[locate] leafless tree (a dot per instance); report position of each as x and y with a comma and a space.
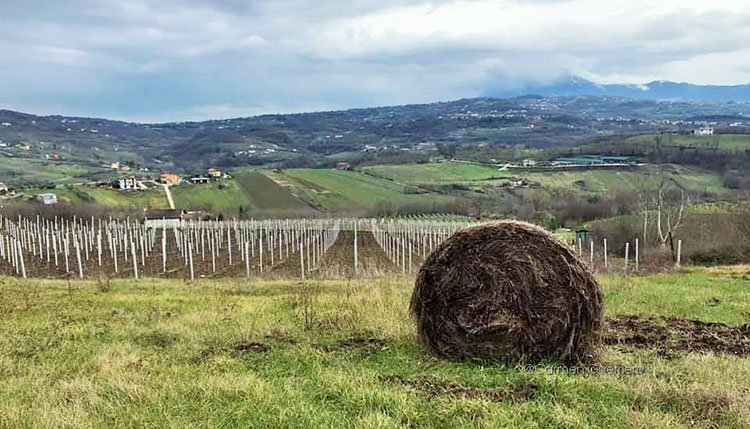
670, 206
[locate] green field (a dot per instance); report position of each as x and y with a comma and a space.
718, 141
435, 172
337, 353
28, 170
152, 198
348, 190
610, 181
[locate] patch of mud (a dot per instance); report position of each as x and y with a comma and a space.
671, 335
434, 389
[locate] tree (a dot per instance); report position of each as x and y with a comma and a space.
447, 149
670, 204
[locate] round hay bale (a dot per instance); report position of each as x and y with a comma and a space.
508, 291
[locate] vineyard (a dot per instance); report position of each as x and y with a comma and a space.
290, 248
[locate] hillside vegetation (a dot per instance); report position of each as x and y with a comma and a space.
724, 142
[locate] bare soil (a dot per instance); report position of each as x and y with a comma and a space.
671, 335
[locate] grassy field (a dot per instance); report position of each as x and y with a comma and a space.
347, 190
22, 170
719, 141
609, 181
153, 198
338, 353
435, 173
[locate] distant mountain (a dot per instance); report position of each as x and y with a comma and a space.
657, 90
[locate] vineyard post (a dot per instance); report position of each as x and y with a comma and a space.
260, 254
135, 260
636, 254
606, 261
247, 259
20, 258
78, 256
301, 261
114, 253
356, 261
190, 251
627, 255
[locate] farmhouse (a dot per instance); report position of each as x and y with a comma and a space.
47, 198
168, 218
198, 180
129, 184
704, 131
343, 165
212, 172
169, 178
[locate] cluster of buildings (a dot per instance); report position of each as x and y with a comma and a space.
131, 183
580, 161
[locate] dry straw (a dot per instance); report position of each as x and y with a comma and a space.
508, 291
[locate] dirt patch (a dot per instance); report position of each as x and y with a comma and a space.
671, 335
251, 347
434, 389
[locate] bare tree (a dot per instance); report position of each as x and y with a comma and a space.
670, 205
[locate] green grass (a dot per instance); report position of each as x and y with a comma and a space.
279, 354
347, 190
435, 172
218, 196
152, 198
720, 141
610, 181
30, 170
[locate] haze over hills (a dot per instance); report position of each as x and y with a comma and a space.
657, 90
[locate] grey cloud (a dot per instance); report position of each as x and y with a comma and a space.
171, 60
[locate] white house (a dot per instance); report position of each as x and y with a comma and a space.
704, 131
129, 184
47, 198
197, 180
529, 163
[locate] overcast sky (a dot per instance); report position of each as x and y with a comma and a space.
164, 60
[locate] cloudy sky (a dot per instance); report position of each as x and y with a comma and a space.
164, 60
